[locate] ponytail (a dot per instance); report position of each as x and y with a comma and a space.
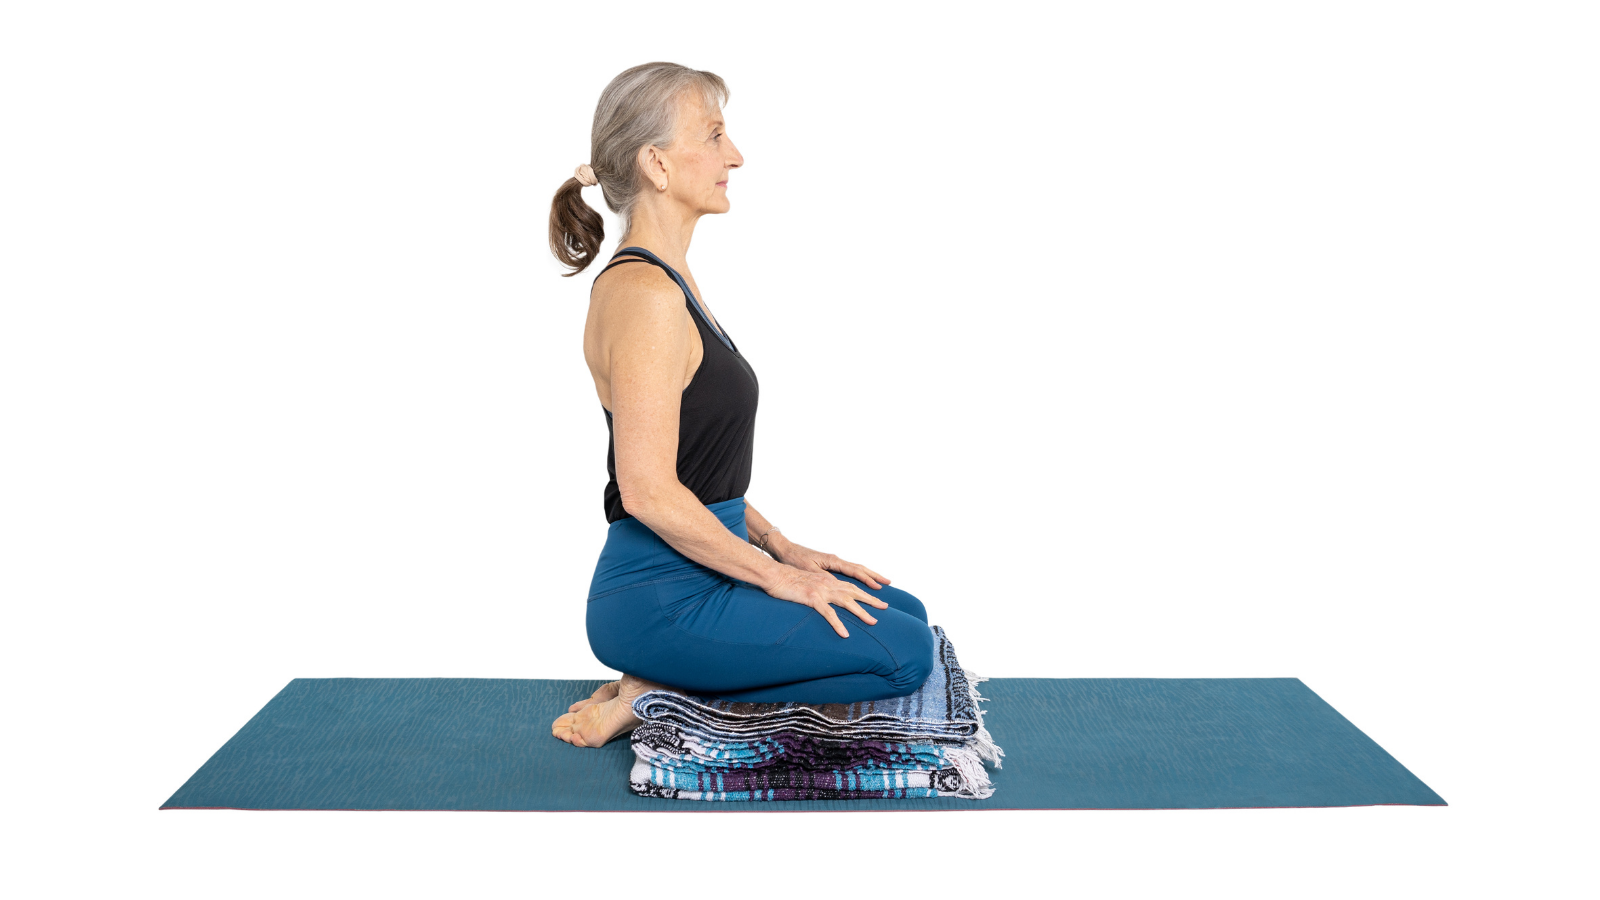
576, 230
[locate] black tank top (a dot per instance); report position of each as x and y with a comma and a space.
717, 416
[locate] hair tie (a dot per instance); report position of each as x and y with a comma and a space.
585, 175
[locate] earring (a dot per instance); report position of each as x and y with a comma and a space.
661, 187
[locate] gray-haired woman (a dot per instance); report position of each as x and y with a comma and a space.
682, 594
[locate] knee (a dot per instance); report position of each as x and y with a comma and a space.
895, 597
904, 602
915, 662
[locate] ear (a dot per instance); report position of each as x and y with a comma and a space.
653, 162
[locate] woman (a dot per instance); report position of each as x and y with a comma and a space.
683, 594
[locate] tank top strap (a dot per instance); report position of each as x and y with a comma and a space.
644, 255
617, 262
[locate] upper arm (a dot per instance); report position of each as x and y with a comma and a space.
648, 342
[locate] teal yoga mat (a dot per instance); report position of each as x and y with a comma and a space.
1070, 743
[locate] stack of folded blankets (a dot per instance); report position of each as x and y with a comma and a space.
929, 744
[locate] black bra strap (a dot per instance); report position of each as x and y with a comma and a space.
618, 262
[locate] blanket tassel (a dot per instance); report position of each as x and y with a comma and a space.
982, 742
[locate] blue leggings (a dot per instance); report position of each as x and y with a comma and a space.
657, 614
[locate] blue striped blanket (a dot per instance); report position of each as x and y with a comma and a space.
929, 744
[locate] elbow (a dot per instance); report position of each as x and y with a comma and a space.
640, 498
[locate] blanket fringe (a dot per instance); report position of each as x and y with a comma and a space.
968, 760
982, 742
975, 784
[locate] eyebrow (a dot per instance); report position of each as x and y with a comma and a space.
717, 123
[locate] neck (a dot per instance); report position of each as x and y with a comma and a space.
662, 227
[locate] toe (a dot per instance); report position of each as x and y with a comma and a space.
565, 728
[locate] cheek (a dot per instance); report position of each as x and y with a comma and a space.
710, 164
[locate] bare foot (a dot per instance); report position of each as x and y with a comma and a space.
599, 720
604, 693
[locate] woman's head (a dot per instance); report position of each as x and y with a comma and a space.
646, 135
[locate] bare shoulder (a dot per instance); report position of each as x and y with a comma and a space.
638, 323
638, 299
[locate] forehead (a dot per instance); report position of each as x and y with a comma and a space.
695, 114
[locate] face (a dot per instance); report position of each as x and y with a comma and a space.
696, 167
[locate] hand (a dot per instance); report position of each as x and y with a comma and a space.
808, 560
822, 592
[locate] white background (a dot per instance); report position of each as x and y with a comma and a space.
1137, 339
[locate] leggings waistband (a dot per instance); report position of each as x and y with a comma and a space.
634, 554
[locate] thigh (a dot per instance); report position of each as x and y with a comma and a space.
746, 614
895, 597
901, 638
722, 636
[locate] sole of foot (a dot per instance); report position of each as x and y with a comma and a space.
597, 720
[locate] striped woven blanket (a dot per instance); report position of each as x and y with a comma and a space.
929, 744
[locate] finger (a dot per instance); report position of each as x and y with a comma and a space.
858, 592
833, 619
863, 574
871, 600
869, 575
850, 604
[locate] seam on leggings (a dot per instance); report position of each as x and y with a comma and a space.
644, 583
805, 619
673, 621
795, 627
892, 657
885, 647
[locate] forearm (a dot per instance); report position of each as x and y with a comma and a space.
679, 518
757, 525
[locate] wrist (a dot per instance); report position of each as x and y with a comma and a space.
776, 545
763, 537
773, 574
